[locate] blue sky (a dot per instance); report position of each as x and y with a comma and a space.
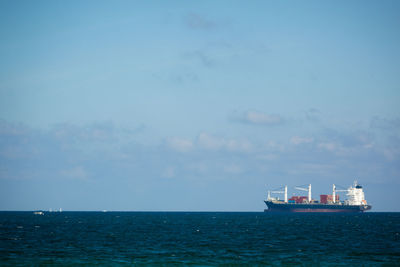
183, 105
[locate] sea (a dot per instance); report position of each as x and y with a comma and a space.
199, 239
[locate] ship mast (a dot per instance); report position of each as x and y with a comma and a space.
285, 193
279, 192
306, 189
334, 191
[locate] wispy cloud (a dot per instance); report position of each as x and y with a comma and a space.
344, 143
201, 56
12, 129
388, 124
179, 144
169, 172
329, 146
27, 154
184, 77
99, 131
257, 118
77, 172
313, 114
233, 169
198, 22
210, 142
296, 140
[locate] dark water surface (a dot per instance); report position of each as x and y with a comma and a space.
209, 238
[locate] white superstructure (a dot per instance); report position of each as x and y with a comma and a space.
355, 195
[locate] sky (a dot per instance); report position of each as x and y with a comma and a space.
196, 105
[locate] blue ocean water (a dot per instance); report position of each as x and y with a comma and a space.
199, 238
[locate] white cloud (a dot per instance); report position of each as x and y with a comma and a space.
197, 21
296, 140
12, 129
311, 168
77, 172
274, 146
17, 152
169, 172
267, 157
328, 146
180, 144
202, 56
239, 145
216, 143
210, 142
386, 124
198, 167
233, 169
99, 131
326, 154
368, 145
391, 153
313, 114
262, 118
257, 118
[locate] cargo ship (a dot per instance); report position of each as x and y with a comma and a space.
355, 201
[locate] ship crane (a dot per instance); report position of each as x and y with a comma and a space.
305, 189
334, 190
278, 192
